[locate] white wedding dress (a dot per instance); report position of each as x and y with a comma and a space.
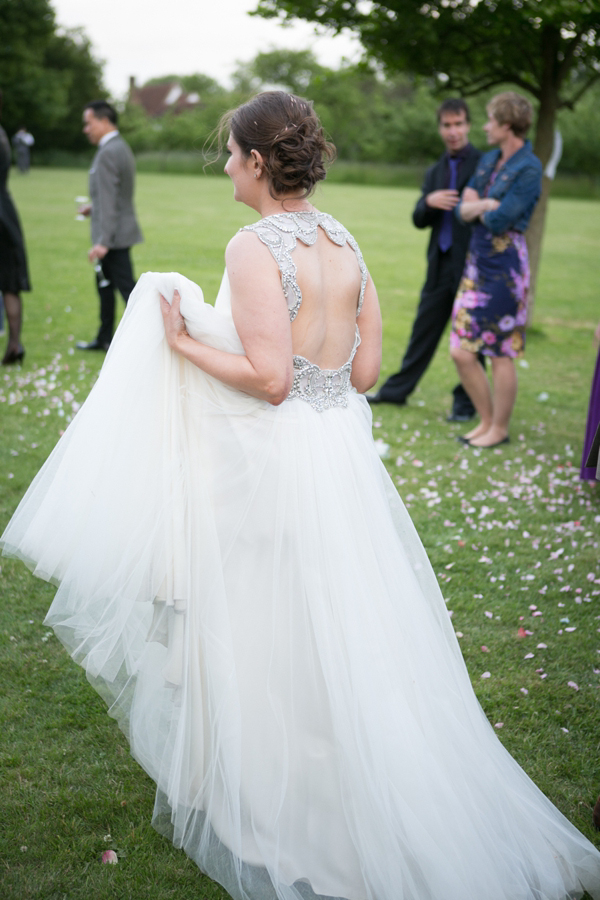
243, 585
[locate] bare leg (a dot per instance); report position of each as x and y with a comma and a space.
474, 380
14, 313
505, 394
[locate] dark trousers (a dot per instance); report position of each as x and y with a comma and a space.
114, 271
434, 310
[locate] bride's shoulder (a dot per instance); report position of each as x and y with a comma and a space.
247, 257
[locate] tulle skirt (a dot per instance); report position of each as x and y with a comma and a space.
243, 585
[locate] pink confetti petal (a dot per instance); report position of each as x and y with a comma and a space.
499, 725
487, 675
110, 857
529, 656
573, 684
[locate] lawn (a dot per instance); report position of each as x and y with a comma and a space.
512, 533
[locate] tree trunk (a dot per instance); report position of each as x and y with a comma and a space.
542, 147
534, 237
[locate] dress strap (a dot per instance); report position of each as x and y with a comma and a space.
280, 233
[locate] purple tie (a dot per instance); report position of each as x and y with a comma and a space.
445, 238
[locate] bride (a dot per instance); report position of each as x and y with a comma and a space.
242, 583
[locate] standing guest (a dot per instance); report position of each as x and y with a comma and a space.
14, 276
114, 225
490, 310
23, 142
445, 258
590, 467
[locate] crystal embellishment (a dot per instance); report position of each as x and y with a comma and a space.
323, 388
280, 233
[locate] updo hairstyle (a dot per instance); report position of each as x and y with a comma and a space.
286, 131
513, 110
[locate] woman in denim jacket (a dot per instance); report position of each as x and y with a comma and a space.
490, 309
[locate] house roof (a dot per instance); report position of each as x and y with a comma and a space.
157, 99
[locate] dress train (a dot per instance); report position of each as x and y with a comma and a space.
244, 586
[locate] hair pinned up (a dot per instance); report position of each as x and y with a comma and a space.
286, 131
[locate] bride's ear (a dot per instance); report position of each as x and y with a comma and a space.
258, 163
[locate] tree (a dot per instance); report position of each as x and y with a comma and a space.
549, 48
46, 75
293, 69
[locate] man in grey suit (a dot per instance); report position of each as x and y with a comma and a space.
114, 225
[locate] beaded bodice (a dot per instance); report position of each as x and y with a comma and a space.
322, 388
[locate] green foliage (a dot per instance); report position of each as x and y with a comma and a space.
294, 70
47, 75
474, 45
581, 135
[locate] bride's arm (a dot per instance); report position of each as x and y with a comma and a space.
367, 362
262, 322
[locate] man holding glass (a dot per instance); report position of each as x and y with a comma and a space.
114, 224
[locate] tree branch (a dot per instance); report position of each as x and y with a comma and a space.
470, 89
567, 62
570, 103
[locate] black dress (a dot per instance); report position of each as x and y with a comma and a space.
14, 277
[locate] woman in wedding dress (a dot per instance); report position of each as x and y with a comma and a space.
241, 581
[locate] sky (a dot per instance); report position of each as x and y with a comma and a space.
151, 38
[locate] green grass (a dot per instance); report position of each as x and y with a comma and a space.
505, 530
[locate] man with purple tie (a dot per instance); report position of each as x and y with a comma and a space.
446, 254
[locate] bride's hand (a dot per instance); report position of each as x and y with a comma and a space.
174, 321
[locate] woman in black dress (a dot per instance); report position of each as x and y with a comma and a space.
14, 277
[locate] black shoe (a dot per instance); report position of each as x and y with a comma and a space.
13, 356
373, 399
93, 345
459, 416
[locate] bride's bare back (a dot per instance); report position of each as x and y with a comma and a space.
329, 278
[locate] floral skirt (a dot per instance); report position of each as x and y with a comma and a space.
490, 309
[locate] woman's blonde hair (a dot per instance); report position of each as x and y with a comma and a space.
513, 110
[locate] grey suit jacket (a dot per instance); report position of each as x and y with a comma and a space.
112, 176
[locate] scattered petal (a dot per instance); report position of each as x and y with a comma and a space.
499, 725
110, 857
573, 684
382, 448
487, 675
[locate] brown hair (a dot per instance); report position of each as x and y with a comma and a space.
513, 110
454, 105
286, 131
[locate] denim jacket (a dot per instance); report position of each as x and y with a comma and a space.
517, 186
